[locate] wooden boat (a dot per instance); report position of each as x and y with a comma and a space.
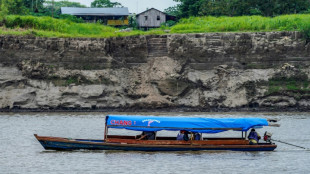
202, 126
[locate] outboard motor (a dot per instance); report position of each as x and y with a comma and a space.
267, 137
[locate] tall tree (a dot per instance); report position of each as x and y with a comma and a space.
291, 6
174, 11
55, 7
225, 7
267, 7
214, 8
188, 8
34, 5
3, 9
105, 3
64, 3
14, 6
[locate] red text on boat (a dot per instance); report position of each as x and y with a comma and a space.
121, 122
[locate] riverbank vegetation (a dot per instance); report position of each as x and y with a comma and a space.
43, 18
288, 84
294, 82
300, 22
187, 8
51, 27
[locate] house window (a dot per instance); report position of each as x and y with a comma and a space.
145, 17
158, 18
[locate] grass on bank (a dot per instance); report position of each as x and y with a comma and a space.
297, 22
50, 27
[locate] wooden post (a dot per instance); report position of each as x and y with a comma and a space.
106, 129
105, 132
246, 132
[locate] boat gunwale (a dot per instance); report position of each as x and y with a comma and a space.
184, 146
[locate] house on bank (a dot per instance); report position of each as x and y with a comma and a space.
108, 16
152, 18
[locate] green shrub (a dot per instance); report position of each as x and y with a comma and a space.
71, 18
72, 80
306, 84
290, 84
273, 89
169, 23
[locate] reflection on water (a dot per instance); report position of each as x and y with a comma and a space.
21, 153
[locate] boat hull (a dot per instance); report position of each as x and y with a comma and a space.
55, 143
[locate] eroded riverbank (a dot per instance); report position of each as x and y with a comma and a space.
266, 71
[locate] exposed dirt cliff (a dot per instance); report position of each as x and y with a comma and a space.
216, 71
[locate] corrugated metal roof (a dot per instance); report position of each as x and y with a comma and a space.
95, 11
150, 10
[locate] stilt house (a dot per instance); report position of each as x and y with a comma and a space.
152, 18
107, 16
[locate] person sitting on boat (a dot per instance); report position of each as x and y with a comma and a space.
183, 135
253, 137
197, 136
147, 135
194, 136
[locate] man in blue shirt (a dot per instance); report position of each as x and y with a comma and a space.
253, 137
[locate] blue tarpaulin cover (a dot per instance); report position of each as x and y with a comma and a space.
192, 124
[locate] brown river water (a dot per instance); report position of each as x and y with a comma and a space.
20, 152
